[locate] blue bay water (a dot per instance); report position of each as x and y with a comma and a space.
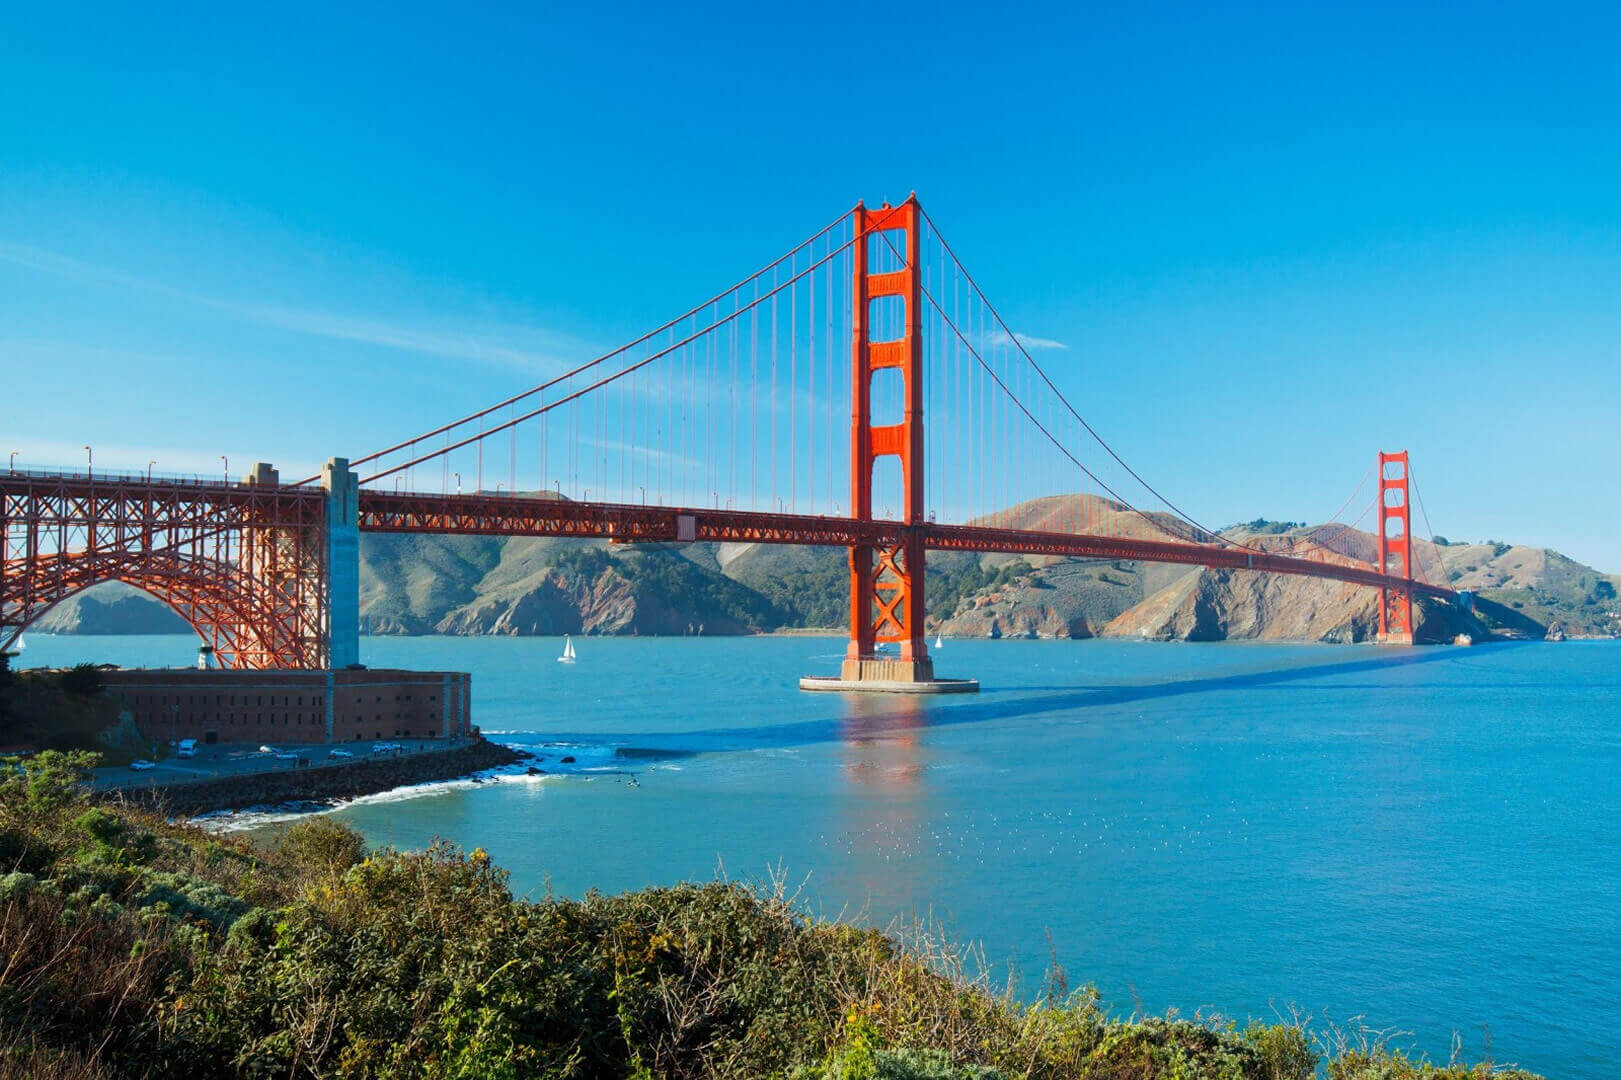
1428, 839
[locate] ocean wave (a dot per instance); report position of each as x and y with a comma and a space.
254, 817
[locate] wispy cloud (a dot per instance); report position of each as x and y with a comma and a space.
1029, 341
652, 454
527, 349
479, 345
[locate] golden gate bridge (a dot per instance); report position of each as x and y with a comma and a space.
860, 391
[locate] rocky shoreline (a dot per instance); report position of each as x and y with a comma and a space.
328, 784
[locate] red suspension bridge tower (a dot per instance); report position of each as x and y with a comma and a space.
1395, 549
658, 431
886, 583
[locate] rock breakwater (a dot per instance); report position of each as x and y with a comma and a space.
325, 784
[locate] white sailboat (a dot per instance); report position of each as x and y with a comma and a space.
568, 651
938, 644
19, 645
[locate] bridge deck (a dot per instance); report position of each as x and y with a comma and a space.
527, 515
508, 515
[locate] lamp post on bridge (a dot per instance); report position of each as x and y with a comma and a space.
458, 483
14, 454
149, 465
227, 462
90, 460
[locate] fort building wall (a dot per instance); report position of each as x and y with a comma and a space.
349, 705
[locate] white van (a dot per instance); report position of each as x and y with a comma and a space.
187, 748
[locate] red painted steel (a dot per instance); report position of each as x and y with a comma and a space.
506, 515
259, 602
886, 581
1395, 550
243, 564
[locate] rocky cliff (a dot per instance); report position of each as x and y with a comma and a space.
1222, 605
1519, 590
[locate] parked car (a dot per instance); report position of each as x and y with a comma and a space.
386, 748
187, 748
340, 754
267, 749
286, 755
141, 765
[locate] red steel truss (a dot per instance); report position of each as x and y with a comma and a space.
243, 564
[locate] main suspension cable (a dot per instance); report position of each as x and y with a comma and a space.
548, 384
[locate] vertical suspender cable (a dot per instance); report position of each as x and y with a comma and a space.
810, 381
793, 392
771, 490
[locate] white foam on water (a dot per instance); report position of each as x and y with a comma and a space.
253, 817
228, 821
590, 759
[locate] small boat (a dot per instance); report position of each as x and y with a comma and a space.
19, 645
568, 651
938, 644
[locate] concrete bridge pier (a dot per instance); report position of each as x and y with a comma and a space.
342, 486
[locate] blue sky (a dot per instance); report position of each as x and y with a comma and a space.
1273, 240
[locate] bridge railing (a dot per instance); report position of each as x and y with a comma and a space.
119, 476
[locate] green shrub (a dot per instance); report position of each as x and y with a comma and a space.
99, 824
1380, 1064
1285, 1050
140, 948
319, 847
928, 1065
188, 899
82, 680
34, 789
17, 886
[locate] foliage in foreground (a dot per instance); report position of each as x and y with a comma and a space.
61, 710
137, 948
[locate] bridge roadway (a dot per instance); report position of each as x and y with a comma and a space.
520, 515
126, 505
